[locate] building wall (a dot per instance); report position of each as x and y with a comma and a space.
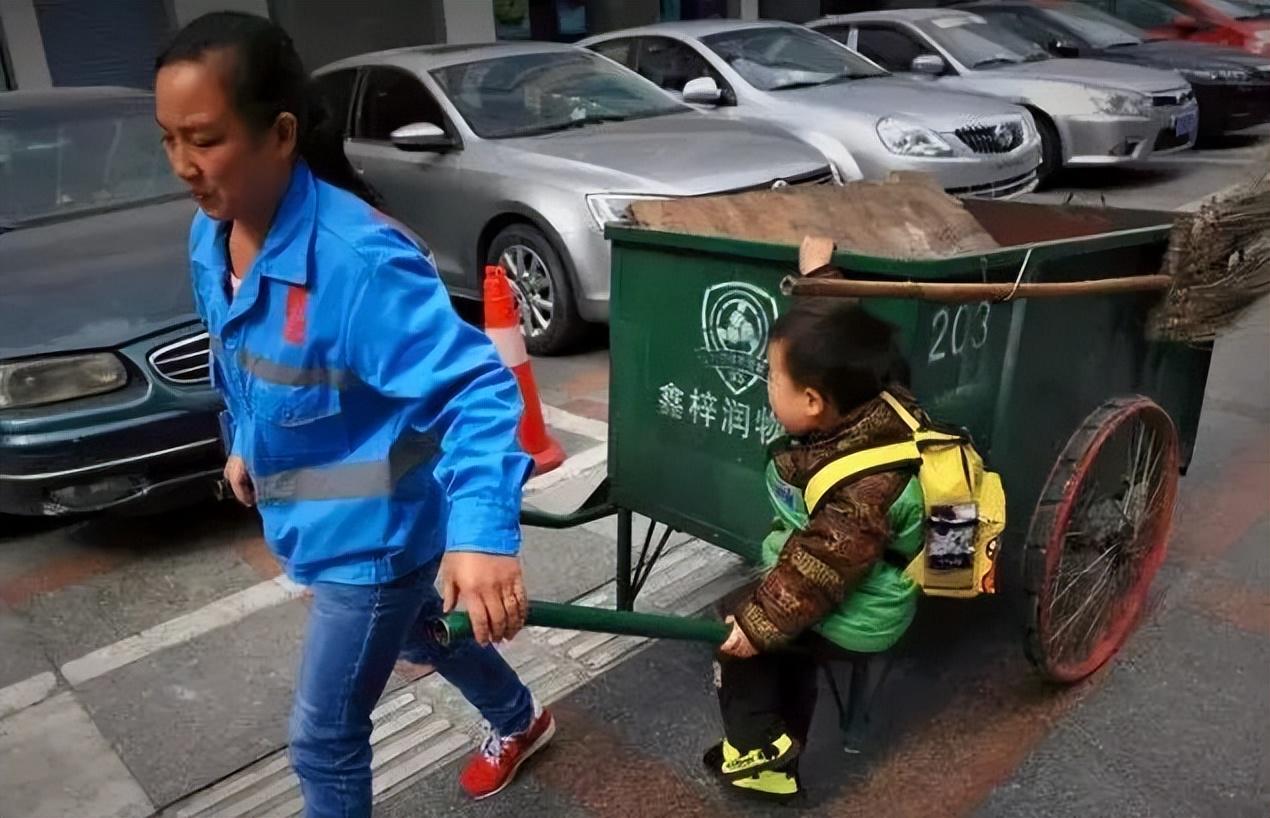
794, 11
610, 15
187, 10
465, 21
23, 45
334, 29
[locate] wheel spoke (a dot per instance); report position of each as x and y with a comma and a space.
531, 282
1115, 520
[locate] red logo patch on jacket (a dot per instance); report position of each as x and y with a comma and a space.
297, 307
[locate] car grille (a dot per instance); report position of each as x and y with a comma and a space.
185, 362
1170, 138
1002, 189
1170, 99
817, 177
820, 177
1001, 138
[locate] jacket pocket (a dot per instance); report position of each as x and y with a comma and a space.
298, 425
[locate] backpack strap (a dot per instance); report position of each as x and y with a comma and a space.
859, 464
910, 421
921, 434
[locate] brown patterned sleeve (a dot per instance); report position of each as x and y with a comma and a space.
820, 565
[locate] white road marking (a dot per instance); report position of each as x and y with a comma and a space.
218, 614
572, 468
575, 424
26, 693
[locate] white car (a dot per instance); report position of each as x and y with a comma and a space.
1089, 112
866, 121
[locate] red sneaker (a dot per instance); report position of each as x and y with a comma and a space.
493, 768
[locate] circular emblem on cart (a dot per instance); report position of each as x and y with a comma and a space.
735, 321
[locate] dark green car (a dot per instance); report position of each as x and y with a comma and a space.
105, 398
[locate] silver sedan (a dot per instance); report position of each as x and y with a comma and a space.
519, 154
1089, 112
868, 122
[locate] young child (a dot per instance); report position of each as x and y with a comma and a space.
835, 577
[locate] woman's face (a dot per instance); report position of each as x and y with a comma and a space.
233, 171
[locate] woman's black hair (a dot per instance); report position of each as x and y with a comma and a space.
267, 79
841, 351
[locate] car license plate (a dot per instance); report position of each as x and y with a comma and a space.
1186, 124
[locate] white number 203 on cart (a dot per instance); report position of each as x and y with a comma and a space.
953, 329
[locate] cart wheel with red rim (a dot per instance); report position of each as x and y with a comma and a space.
1098, 536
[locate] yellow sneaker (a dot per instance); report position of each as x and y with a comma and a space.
727, 761
777, 784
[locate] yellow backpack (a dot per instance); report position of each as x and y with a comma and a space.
964, 504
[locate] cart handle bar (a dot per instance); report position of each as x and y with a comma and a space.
456, 626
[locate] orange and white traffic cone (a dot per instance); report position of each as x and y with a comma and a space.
502, 325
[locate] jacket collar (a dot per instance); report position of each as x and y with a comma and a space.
288, 246
873, 423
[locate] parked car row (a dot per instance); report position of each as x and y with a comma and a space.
545, 144
1232, 87
1243, 24
520, 154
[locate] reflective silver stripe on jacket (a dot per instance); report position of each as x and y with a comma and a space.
285, 374
347, 481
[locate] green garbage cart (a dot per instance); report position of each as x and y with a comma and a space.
1088, 421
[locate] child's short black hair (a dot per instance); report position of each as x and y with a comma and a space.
833, 346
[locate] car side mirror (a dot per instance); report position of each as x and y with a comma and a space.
703, 91
1185, 22
1063, 48
931, 65
421, 136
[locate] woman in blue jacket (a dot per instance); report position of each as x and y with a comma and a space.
375, 431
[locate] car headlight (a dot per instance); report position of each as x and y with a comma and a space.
1215, 75
52, 380
1121, 103
607, 208
909, 139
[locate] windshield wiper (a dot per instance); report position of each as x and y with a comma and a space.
845, 76
799, 84
995, 61
582, 122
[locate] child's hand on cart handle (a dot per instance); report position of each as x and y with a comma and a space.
738, 645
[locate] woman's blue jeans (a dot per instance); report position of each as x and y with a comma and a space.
355, 635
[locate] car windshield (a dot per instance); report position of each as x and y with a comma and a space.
779, 57
976, 43
58, 162
1100, 29
529, 94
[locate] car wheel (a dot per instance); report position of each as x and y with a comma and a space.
544, 295
1051, 150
